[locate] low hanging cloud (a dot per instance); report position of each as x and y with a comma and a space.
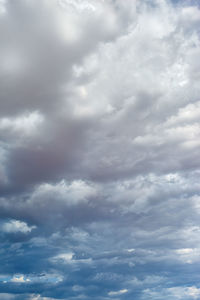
99, 149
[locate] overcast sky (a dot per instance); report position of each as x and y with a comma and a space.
99, 150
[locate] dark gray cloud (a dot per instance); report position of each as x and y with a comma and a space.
99, 150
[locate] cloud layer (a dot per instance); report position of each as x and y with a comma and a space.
99, 149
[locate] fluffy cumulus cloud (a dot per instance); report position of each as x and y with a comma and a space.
99, 149
17, 226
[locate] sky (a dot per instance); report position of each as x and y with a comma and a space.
99, 150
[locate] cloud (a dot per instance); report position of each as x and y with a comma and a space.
191, 292
14, 226
38, 297
99, 151
83, 134
121, 292
6, 296
19, 279
23, 125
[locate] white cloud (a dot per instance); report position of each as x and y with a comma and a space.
2, 7
117, 293
131, 250
188, 255
184, 251
191, 14
15, 226
70, 258
65, 257
191, 292
23, 125
71, 193
148, 280
20, 279
39, 297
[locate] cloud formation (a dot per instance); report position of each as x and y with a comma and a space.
99, 149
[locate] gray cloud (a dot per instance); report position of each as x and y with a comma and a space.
99, 150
